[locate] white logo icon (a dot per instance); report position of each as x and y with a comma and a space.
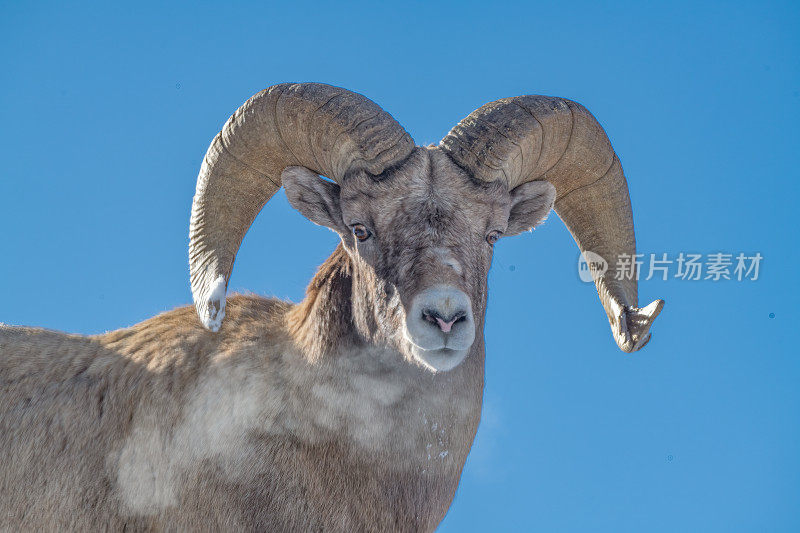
591, 266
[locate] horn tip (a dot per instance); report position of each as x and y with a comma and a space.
633, 332
211, 310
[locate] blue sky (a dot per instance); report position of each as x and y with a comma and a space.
107, 112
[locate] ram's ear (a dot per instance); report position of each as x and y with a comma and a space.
530, 204
315, 198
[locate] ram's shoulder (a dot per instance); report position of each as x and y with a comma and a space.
173, 339
179, 333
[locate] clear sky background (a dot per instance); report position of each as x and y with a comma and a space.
107, 111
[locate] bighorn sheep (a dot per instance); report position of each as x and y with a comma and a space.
352, 410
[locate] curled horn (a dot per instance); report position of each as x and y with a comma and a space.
327, 129
529, 138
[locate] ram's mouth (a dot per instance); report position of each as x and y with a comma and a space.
439, 360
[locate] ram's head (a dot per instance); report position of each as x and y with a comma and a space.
421, 221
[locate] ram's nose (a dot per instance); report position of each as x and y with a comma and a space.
441, 317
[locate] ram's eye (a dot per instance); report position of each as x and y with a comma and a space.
493, 237
361, 232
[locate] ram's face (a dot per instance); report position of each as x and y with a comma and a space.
426, 232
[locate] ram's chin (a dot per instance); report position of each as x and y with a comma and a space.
440, 360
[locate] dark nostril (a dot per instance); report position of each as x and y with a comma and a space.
430, 316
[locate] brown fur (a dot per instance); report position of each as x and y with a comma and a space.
291, 417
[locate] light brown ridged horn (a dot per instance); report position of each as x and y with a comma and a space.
529, 138
327, 129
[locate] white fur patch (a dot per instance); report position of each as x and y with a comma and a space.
445, 256
216, 418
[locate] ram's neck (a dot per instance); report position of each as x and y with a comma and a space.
345, 305
322, 322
